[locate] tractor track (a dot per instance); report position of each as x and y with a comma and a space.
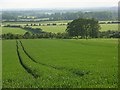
34, 59
23, 65
76, 72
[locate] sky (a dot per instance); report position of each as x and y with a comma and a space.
14, 4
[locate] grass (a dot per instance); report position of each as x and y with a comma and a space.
56, 29
61, 63
12, 30
105, 27
13, 73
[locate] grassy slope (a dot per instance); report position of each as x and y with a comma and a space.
12, 30
99, 57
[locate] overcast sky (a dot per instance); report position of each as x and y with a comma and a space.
5, 4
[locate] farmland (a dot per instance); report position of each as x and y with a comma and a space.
60, 63
105, 27
55, 29
12, 30
59, 44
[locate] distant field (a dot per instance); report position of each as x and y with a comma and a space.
56, 29
42, 22
60, 63
105, 27
12, 30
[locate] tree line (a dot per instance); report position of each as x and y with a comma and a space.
28, 35
79, 28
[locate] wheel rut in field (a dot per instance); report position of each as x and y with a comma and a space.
28, 70
34, 59
76, 72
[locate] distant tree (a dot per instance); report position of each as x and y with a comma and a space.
31, 24
110, 34
84, 28
39, 24
27, 35
54, 24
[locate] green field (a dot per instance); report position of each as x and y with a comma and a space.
105, 27
12, 30
55, 29
60, 63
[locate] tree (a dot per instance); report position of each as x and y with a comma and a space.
84, 28
27, 35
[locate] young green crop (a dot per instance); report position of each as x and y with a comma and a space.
97, 57
46, 75
13, 74
59, 63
